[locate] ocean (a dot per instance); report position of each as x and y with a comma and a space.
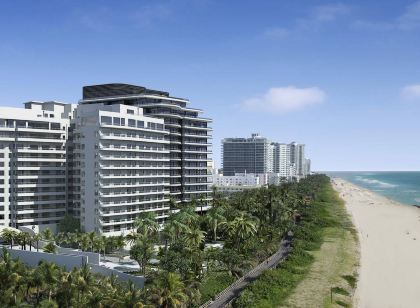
403, 187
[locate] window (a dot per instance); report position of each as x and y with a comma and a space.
130, 111
122, 122
131, 123
55, 126
117, 121
106, 120
140, 124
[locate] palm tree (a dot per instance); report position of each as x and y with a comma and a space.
194, 237
168, 291
37, 237
47, 235
214, 218
172, 204
92, 237
132, 298
50, 273
84, 241
9, 236
99, 244
174, 228
142, 251
50, 248
132, 237
241, 228
146, 224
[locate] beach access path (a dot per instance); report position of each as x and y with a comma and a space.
389, 235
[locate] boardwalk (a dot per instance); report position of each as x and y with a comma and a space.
233, 291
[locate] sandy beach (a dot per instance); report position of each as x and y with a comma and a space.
389, 234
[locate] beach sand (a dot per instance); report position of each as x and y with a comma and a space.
389, 235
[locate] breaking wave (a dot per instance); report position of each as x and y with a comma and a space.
376, 182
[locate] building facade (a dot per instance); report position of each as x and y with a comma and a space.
261, 156
33, 185
239, 179
247, 155
120, 168
188, 137
123, 150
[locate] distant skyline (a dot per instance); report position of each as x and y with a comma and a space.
341, 77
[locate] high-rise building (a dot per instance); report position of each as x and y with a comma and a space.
282, 159
33, 182
297, 158
247, 155
120, 162
124, 150
261, 156
177, 144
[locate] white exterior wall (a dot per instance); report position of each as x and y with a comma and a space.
249, 179
124, 168
33, 164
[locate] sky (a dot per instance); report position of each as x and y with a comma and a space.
341, 77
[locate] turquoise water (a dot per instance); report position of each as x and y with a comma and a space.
403, 187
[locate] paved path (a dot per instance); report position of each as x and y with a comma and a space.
235, 289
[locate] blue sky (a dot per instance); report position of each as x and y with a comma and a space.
342, 77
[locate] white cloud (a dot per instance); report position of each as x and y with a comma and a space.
411, 92
285, 99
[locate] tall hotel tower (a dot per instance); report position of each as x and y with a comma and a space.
132, 150
247, 155
33, 172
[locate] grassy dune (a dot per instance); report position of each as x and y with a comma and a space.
334, 265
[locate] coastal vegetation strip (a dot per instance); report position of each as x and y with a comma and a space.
320, 269
196, 256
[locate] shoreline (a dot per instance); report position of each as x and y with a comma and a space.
389, 241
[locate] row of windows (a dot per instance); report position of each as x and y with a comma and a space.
130, 123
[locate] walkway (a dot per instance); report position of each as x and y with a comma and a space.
235, 289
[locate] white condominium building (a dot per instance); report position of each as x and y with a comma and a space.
246, 179
121, 167
188, 136
282, 159
33, 182
123, 150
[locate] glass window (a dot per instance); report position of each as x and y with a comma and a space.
106, 120
55, 126
122, 122
21, 123
130, 111
117, 121
140, 124
131, 123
